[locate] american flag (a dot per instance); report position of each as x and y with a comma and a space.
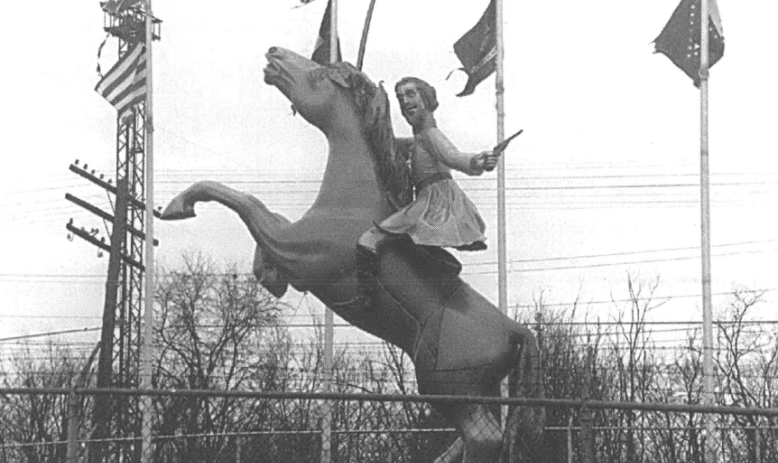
124, 85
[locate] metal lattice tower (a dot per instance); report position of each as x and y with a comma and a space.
130, 164
129, 27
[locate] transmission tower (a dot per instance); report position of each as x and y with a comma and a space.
120, 360
129, 27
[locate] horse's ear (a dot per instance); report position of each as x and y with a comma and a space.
379, 105
340, 80
337, 76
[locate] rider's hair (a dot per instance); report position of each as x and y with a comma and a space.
372, 103
427, 91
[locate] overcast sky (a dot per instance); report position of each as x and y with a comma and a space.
603, 182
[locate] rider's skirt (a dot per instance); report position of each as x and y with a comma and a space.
441, 215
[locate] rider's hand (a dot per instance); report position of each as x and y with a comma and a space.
489, 160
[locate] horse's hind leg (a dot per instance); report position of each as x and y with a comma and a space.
454, 453
481, 436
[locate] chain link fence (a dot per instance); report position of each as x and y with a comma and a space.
370, 428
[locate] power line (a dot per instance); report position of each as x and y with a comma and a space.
625, 253
51, 333
611, 264
235, 176
517, 261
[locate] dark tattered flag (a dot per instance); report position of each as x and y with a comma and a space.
477, 50
321, 51
680, 39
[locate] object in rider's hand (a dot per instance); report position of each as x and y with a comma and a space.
504, 144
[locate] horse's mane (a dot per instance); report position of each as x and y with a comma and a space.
373, 104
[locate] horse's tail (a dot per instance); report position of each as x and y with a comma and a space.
524, 425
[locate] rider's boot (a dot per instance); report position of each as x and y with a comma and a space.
367, 282
441, 259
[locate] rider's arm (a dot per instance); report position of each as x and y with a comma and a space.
438, 145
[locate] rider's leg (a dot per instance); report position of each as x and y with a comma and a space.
370, 240
366, 268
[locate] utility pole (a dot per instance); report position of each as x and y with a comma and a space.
105, 361
104, 413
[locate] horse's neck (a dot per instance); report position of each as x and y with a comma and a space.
349, 182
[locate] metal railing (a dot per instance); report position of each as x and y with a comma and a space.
594, 431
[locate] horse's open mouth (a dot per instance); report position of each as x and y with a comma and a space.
272, 72
275, 72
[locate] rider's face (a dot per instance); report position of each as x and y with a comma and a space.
411, 104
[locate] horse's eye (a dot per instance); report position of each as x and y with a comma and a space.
317, 75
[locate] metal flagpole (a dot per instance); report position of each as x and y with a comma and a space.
707, 310
329, 335
365, 31
148, 315
502, 267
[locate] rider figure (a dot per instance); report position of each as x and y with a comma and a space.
441, 214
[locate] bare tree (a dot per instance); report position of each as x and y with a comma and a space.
209, 320
631, 354
38, 420
748, 365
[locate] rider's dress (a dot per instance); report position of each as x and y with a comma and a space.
441, 214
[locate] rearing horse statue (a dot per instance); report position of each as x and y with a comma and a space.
459, 342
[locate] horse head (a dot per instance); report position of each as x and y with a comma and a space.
315, 91
339, 100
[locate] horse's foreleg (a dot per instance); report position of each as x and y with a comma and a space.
260, 221
182, 206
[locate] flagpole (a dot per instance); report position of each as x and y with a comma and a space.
502, 268
707, 309
147, 347
365, 30
329, 321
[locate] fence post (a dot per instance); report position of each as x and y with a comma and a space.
570, 439
757, 444
238, 442
74, 408
587, 417
326, 433
587, 436
74, 422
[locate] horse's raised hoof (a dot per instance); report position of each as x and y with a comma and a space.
178, 210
